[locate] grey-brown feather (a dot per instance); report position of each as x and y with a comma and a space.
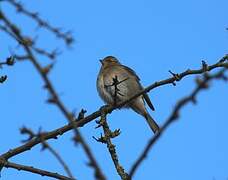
130, 86
127, 88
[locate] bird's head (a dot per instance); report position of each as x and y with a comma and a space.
109, 61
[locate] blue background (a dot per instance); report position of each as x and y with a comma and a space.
151, 37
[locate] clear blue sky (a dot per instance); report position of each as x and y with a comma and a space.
152, 37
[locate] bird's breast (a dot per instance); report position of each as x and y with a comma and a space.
116, 85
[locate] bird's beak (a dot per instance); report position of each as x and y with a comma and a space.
101, 61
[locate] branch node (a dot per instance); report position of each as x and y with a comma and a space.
3, 78
46, 70
51, 100
27, 41
201, 83
225, 58
101, 139
176, 77
25, 130
194, 101
81, 115
204, 66
115, 133
10, 61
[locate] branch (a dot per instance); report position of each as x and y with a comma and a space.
26, 43
3, 78
201, 85
51, 55
31, 135
54, 97
53, 134
30, 42
9, 62
108, 109
108, 134
66, 36
31, 169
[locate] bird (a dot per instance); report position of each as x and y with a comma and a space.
117, 83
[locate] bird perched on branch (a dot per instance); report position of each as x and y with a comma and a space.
117, 83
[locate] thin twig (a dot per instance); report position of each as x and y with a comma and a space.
59, 158
32, 44
201, 85
66, 36
46, 145
41, 172
50, 55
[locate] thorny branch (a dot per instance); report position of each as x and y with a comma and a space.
16, 34
202, 84
108, 134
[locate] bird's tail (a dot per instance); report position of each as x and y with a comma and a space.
151, 122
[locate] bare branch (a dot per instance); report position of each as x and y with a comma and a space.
30, 49
73, 124
79, 123
66, 36
21, 57
31, 43
46, 145
108, 134
54, 97
31, 169
51, 55
201, 85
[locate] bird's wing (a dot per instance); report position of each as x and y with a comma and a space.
145, 95
148, 101
131, 71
